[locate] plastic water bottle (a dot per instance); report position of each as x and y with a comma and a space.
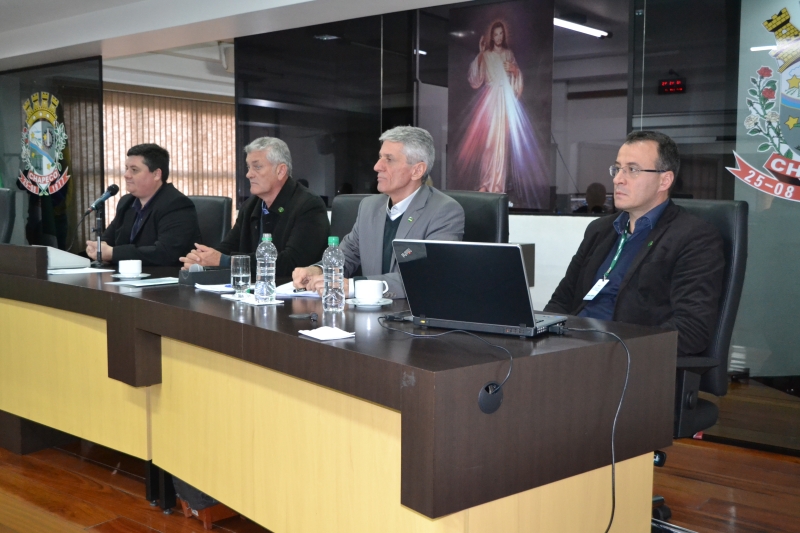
266, 254
333, 270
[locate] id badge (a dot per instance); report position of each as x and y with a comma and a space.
602, 282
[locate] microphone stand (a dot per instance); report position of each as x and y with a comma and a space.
98, 229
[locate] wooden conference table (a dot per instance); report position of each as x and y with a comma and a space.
377, 433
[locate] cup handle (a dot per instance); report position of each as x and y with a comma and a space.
385, 287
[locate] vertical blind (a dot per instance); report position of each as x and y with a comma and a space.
82, 122
199, 136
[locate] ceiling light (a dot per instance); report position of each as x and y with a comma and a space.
762, 48
581, 28
421, 52
326, 37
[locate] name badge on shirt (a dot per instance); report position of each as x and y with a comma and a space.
602, 282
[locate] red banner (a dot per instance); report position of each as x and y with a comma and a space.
32, 187
784, 169
56, 185
787, 187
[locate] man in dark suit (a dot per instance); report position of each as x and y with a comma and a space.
406, 209
154, 222
296, 217
653, 264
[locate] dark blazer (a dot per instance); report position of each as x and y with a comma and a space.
674, 281
169, 230
300, 235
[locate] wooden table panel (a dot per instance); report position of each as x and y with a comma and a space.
53, 371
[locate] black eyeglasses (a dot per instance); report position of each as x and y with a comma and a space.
614, 170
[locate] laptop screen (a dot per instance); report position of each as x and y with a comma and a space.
464, 281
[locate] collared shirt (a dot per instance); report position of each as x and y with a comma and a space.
400, 207
267, 221
141, 212
602, 306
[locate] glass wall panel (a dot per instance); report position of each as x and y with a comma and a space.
318, 89
683, 70
52, 148
768, 146
737, 99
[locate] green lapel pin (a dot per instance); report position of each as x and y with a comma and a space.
280, 210
411, 219
650, 243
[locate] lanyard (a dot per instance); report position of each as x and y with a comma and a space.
622, 242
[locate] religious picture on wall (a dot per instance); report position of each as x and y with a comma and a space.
499, 100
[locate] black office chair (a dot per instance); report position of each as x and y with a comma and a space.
709, 371
344, 211
486, 214
7, 214
214, 215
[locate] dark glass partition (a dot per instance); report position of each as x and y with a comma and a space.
328, 91
51, 130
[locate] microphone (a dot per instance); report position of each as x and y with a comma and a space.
111, 191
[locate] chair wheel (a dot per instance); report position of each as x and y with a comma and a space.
662, 512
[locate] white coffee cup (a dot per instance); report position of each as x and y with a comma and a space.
130, 267
369, 291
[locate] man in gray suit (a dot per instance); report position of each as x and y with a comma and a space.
406, 209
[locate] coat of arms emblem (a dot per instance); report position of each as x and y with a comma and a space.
774, 104
43, 140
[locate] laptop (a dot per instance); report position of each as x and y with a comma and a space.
473, 286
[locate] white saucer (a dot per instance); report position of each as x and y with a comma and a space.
382, 301
136, 276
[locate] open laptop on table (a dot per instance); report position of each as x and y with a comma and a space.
471, 286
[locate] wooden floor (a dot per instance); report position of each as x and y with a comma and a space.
756, 416
54, 491
710, 486
714, 487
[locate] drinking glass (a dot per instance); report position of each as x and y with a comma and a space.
240, 274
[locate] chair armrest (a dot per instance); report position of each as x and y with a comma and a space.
699, 363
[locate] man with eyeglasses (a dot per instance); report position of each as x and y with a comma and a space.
296, 217
653, 264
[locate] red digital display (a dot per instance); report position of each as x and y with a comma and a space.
672, 86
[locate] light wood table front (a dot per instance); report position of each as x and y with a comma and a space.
297, 457
54, 371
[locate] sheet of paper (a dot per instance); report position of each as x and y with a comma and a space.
327, 333
287, 291
220, 289
87, 270
249, 299
154, 282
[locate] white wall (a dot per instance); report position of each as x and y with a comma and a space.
556, 239
588, 131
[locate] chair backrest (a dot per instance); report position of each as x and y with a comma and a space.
8, 213
485, 213
214, 215
730, 219
344, 211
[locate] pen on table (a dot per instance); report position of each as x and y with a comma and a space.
299, 290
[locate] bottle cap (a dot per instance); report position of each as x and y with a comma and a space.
333, 241
267, 237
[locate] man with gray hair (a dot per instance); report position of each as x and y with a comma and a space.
296, 217
406, 209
